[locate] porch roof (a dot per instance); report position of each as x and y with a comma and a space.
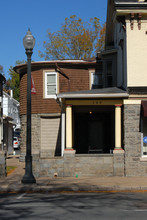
112, 92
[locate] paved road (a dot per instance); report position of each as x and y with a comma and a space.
74, 206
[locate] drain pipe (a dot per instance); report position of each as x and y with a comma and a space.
63, 74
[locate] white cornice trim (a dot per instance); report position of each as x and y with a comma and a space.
128, 11
132, 102
85, 96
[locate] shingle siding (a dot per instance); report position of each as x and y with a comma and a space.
79, 80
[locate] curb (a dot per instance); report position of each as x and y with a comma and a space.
66, 189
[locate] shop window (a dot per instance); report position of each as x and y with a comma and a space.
50, 84
144, 136
96, 80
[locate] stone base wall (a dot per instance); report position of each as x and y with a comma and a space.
72, 165
2, 164
35, 135
118, 162
135, 165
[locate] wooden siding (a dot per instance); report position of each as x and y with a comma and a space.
79, 80
39, 104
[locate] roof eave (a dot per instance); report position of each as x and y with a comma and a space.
21, 67
130, 5
85, 96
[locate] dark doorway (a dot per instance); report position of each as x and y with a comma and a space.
94, 131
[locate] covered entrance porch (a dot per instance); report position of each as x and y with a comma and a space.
91, 132
93, 129
92, 120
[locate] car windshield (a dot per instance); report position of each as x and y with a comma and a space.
15, 139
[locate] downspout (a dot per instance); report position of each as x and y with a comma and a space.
121, 44
63, 74
61, 104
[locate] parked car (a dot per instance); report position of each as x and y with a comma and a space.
16, 143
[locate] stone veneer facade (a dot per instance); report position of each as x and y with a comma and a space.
135, 165
70, 164
128, 162
35, 135
2, 163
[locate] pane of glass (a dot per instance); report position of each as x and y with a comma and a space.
51, 78
109, 81
144, 136
100, 82
109, 68
95, 79
51, 90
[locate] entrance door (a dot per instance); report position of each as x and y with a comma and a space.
95, 137
94, 133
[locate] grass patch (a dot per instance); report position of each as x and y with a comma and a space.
10, 169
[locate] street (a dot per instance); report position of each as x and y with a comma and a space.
74, 206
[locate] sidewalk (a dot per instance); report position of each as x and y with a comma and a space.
12, 183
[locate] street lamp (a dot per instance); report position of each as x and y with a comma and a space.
28, 42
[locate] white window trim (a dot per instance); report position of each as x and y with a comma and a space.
91, 77
50, 96
93, 72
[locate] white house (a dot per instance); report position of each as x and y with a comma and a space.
2, 79
11, 120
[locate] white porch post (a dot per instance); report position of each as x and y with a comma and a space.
118, 126
69, 127
62, 133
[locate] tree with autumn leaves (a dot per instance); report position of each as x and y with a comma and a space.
76, 39
13, 81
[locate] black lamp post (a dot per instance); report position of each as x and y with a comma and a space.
28, 42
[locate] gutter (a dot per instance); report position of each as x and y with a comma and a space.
109, 51
39, 64
133, 5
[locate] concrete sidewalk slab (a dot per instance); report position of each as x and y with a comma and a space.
83, 184
12, 183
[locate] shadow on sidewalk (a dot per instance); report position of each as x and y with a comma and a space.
15, 167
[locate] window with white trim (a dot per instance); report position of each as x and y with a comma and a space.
96, 80
50, 84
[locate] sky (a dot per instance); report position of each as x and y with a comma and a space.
16, 16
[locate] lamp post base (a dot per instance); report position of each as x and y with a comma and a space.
28, 177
